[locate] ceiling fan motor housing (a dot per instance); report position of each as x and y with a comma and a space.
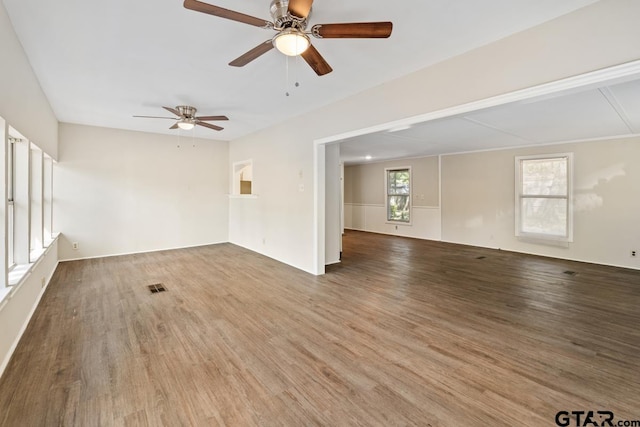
186, 111
283, 19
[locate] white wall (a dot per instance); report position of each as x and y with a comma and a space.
333, 200
425, 222
121, 192
276, 223
24, 107
478, 201
22, 103
595, 37
365, 198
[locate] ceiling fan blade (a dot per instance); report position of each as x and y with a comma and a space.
175, 126
155, 117
209, 125
355, 30
257, 51
300, 8
210, 9
316, 61
173, 110
212, 118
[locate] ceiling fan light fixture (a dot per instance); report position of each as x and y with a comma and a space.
186, 124
291, 42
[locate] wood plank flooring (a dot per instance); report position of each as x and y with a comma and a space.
402, 332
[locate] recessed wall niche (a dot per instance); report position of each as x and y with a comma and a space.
243, 178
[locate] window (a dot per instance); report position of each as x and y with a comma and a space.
10, 208
36, 243
47, 199
398, 183
21, 175
27, 174
543, 197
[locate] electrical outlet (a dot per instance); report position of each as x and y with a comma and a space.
42, 282
633, 253
75, 246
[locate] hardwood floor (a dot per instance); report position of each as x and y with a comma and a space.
402, 332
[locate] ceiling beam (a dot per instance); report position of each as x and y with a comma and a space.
617, 106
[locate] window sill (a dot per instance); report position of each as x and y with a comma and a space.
19, 272
406, 224
542, 240
4, 293
243, 196
35, 254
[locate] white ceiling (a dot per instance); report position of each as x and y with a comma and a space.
100, 62
601, 112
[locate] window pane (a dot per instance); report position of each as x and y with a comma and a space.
10, 234
391, 179
398, 208
544, 216
544, 177
10, 161
398, 182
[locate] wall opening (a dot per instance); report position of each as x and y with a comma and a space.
243, 178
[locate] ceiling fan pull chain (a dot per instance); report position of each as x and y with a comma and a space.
286, 85
297, 66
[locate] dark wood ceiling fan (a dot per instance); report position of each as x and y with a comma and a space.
290, 19
187, 119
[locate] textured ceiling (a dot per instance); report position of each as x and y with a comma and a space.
100, 62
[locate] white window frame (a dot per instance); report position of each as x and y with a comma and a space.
568, 237
10, 203
386, 195
47, 199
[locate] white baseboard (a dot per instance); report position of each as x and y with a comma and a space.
144, 251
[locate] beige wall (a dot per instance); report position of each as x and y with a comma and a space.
365, 208
365, 183
120, 191
22, 103
282, 222
478, 201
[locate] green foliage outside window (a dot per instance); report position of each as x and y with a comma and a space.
398, 195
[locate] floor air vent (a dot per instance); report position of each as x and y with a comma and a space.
570, 273
481, 257
158, 287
